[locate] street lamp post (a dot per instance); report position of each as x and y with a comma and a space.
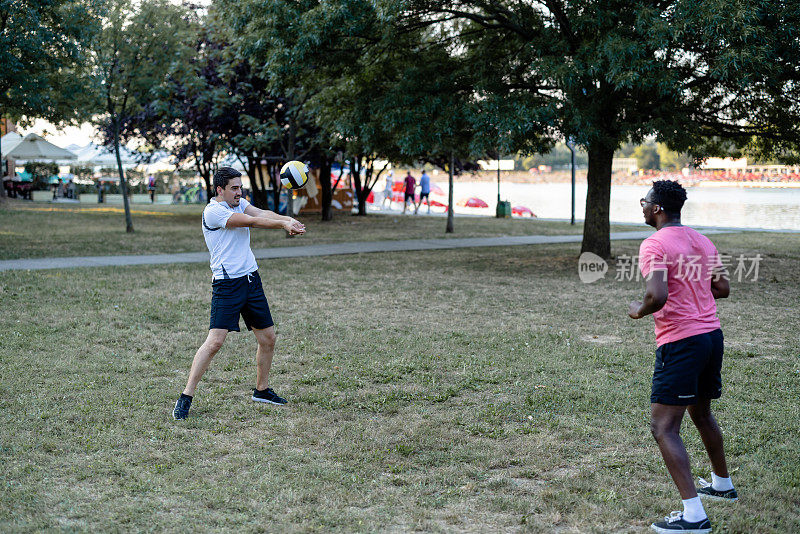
498, 214
571, 147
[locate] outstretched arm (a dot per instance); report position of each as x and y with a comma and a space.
655, 295
242, 220
266, 214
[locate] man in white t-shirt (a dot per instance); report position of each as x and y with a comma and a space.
236, 286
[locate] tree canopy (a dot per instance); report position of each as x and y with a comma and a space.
436, 81
602, 73
44, 52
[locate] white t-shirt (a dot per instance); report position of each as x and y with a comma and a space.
231, 256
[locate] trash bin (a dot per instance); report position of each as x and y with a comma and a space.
504, 209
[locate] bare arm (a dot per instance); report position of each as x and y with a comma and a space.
242, 220
655, 296
266, 214
720, 284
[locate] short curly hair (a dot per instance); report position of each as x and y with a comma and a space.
225, 175
670, 195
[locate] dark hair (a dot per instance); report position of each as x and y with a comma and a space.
223, 176
669, 195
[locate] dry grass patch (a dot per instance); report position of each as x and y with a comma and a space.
430, 391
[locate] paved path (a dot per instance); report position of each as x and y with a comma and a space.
312, 250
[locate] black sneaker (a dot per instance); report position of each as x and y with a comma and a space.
268, 396
707, 491
182, 406
676, 523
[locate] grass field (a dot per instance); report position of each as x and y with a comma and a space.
470, 390
36, 230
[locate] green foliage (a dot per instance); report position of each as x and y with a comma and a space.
603, 73
44, 58
138, 45
669, 160
41, 173
647, 157
82, 172
558, 156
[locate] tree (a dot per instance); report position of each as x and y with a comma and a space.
297, 67
671, 160
378, 93
191, 110
136, 49
611, 71
647, 157
43, 51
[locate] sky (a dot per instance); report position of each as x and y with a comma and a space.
82, 135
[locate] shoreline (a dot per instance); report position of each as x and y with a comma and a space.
562, 177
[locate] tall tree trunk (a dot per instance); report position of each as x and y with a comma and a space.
326, 189
276, 186
122, 184
596, 228
450, 229
210, 193
261, 201
205, 173
361, 189
2, 173
259, 196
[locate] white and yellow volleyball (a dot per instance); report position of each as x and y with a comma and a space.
294, 175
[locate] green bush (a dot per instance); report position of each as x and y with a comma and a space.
41, 173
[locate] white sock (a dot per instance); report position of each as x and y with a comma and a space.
693, 510
721, 484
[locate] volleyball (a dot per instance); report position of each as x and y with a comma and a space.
294, 175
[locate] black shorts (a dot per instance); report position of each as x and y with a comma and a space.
243, 296
688, 370
423, 195
410, 196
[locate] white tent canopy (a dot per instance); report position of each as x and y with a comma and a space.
102, 156
34, 148
9, 141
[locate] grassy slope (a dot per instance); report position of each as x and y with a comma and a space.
464, 390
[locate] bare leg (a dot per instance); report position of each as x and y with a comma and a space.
711, 435
266, 349
202, 359
665, 423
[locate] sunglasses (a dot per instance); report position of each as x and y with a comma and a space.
643, 202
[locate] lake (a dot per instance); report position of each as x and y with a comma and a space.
743, 207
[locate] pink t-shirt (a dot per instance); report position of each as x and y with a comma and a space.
689, 259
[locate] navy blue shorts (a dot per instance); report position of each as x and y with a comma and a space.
243, 296
688, 370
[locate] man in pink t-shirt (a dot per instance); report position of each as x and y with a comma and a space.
684, 276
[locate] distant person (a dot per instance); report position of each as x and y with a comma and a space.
236, 287
58, 189
151, 187
388, 189
424, 191
100, 191
411, 184
70, 189
684, 276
